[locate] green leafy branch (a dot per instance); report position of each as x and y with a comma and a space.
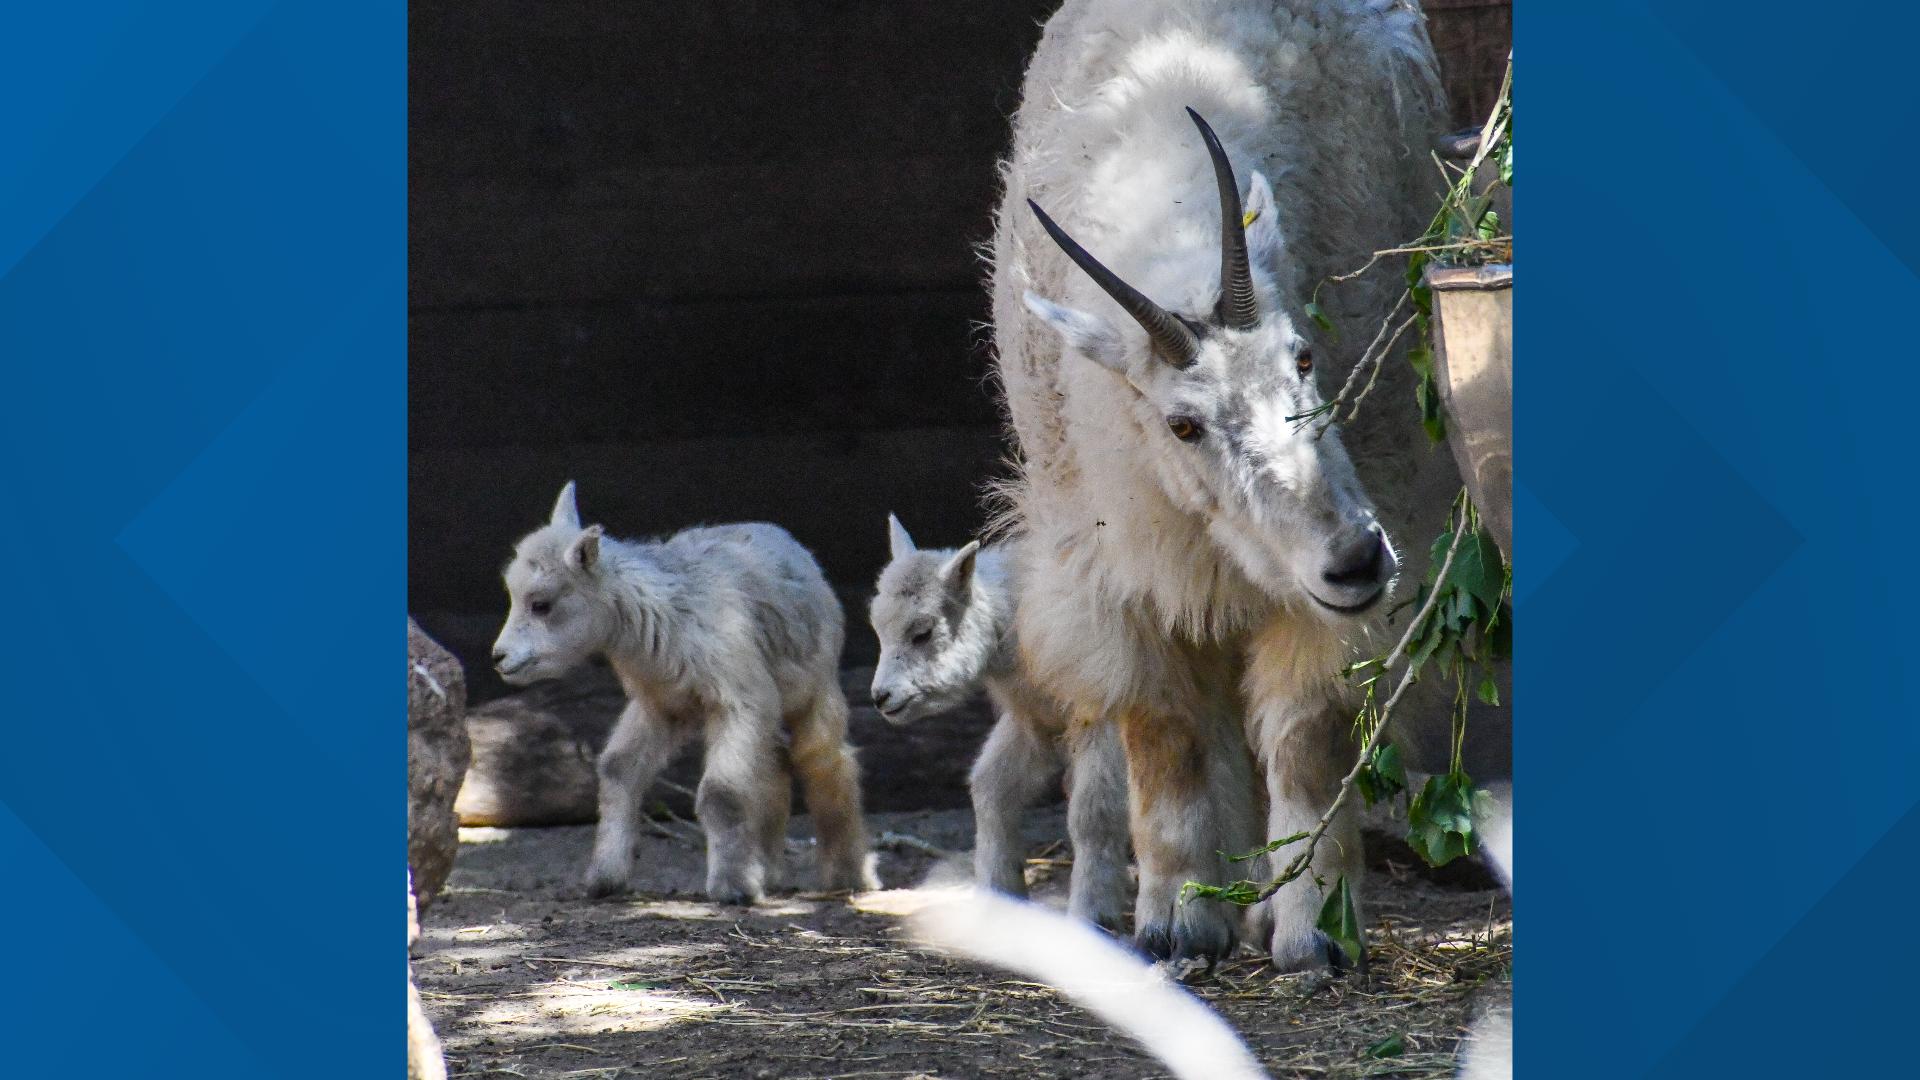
1465, 230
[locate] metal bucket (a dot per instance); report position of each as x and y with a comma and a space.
1473, 363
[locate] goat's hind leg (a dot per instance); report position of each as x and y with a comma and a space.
641, 745
830, 783
734, 801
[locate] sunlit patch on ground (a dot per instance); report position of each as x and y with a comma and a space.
525, 976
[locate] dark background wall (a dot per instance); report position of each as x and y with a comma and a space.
716, 262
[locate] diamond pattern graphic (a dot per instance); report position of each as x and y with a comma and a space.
202, 290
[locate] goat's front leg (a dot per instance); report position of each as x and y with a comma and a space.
735, 799
1304, 759
1013, 768
641, 745
1190, 782
1097, 823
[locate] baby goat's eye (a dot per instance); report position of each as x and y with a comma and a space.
1184, 428
1304, 362
541, 608
923, 636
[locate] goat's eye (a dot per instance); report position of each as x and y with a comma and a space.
923, 636
1184, 428
542, 608
1304, 362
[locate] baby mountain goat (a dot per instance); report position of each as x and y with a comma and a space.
728, 634
945, 623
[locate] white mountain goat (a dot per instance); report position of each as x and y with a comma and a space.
727, 634
944, 618
1204, 556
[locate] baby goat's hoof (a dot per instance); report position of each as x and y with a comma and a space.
600, 886
734, 896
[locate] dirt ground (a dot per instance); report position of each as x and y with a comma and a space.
525, 977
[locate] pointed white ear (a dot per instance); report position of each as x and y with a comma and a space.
565, 511
1264, 244
899, 543
1088, 335
957, 574
584, 553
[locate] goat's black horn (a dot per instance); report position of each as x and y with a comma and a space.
1172, 340
1239, 307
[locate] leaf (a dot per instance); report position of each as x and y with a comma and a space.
1478, 568
1270, 848
1242, 892
1319, 317
1440, 819
1339, 922
1490, 225
1383, 777
1489, 690
633, 984
1392, 1046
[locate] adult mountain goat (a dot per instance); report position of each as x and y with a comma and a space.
1206, 556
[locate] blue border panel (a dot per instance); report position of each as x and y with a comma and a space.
1717, 746
202, 319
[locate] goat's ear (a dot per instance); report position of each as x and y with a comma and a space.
1265, 248
584, 553
898, 542
957, 574
565, 510
1089, 335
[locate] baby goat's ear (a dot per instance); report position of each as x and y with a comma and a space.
957, 574
899, 543
565, 510
584, 553
1089, 335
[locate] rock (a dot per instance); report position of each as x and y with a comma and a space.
437, 756
533, 754
424, 1059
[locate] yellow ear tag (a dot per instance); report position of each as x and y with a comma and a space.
1249, 218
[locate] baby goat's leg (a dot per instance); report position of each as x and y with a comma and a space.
743, 756
830, 782
773, 824
1097, 822
641, 745
1013, 768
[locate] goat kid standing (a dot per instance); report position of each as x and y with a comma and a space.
944, 618
727, 634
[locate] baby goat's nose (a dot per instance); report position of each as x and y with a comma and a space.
499, 657
881, 698
1356, 559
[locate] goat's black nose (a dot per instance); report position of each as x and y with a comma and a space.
880, 699
1356, 558
499, 657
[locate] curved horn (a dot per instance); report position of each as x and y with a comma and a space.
1239, 307
1171, 338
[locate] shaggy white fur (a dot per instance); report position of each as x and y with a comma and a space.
944, 618
728, 634
1203, 565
